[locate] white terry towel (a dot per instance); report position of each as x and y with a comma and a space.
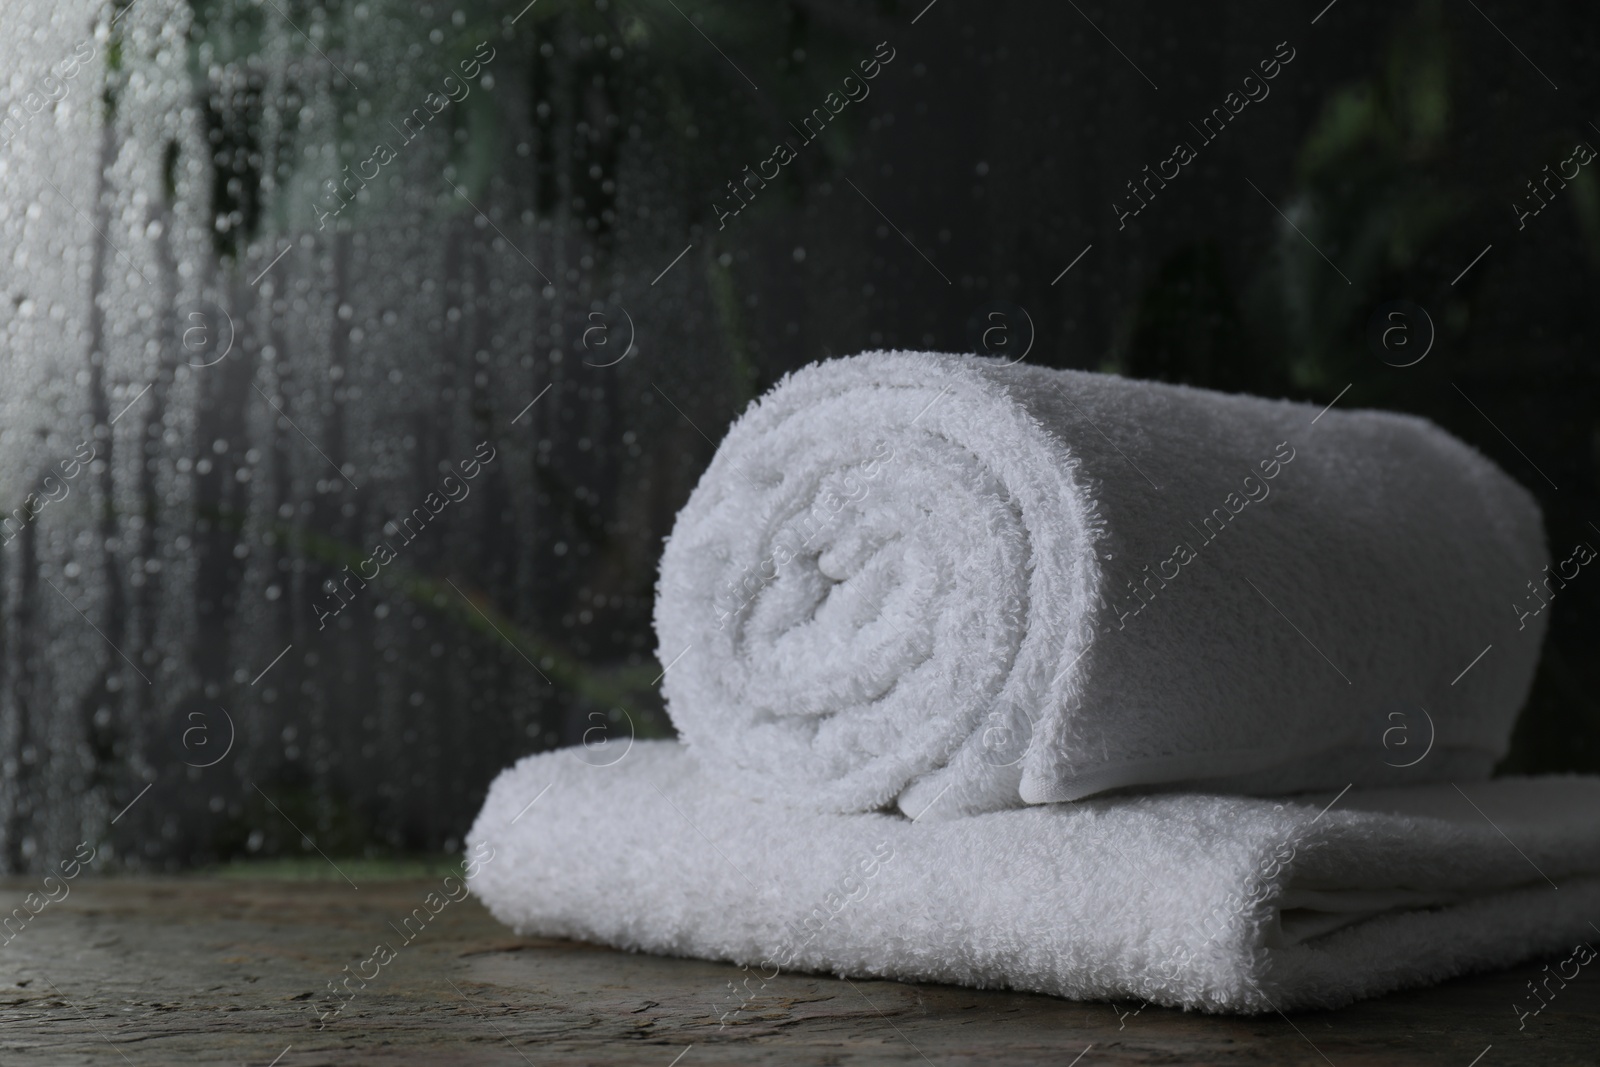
907, 573
1211, 902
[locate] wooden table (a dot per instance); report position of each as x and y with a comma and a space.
224, 971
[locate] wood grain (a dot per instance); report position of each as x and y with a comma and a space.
212, 971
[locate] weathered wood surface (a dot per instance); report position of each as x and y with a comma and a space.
227, 972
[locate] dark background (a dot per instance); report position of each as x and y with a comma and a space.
986, 158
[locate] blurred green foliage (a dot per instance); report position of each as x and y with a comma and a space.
593, 94
1389, 188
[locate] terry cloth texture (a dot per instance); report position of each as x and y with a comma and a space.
906, 575
1219, 903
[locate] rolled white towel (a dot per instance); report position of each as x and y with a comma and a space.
1220, 903
915, 578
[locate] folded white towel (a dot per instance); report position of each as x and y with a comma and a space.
905, 574
1210, 902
